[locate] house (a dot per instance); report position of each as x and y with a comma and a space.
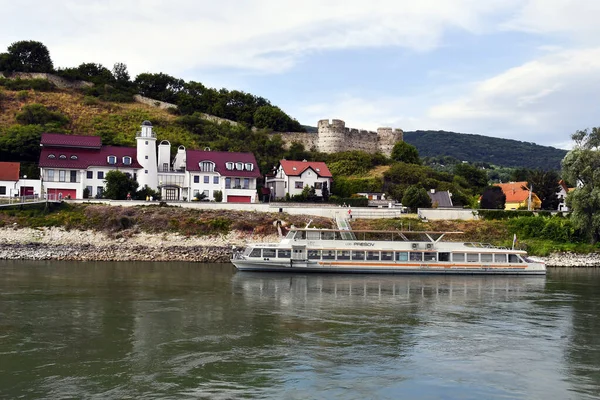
70, 164
290, 178
562, 195
13, 185
441, 199
517, 196
376, 199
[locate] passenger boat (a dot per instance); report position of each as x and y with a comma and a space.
412, 252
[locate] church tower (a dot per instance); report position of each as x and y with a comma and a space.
146, 156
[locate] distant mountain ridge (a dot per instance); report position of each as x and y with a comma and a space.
480, 148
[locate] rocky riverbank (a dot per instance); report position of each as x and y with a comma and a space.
61, 244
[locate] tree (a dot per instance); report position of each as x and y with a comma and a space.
545, 185
118, 185
475, 177
325, 192
416, 197
38, 114
580, 167
406, 153
218, 195
493, 198
120, 73
28, 56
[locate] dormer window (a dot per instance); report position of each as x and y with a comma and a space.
318, 170
51, 156
229, 165
207, 166
73, 157
294, 168
62, 157
126, 160
111, 159
249, 166
239, 166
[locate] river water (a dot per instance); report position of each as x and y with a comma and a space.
183, 330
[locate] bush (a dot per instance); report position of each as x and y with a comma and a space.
41, 85
38, 114
218, 195
90, 101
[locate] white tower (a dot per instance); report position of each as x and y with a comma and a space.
146, 156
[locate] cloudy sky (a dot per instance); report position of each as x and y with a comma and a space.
519, 69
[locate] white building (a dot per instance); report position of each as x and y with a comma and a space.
291, 177
12, 184
69, 164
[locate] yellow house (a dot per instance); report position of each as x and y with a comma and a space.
517, 196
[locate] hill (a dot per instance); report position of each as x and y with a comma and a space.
491, 150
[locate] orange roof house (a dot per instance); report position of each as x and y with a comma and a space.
517, 196
9, 171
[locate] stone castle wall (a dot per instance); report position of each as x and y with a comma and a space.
334, 137
58, 81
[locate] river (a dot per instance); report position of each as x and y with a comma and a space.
184, 330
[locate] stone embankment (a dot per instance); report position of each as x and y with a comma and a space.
572, 260
59, 244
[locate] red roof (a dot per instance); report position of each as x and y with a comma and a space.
293, 168
9, 171
220, 158
60, 140
514, 191
82, 158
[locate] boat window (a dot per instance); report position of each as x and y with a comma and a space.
444, 256
513, 258
284, 253
486, 257
358, 255
268, 253
387, 255
314, 254
430, 257
472, 257
416, 256
401, 256
343, 254
313, 235
500, 258
328, 255
458, 257
327, 235
290, 235
373, 255
300, 235
255, 253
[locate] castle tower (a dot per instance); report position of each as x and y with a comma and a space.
331, 135
146, 156
387, 138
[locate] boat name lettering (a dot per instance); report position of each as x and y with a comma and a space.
360, 244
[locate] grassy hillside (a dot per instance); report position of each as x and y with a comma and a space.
479, 148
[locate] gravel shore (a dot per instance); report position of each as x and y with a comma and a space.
60, 244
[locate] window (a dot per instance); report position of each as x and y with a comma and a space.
472, 257
373, 255
343, 254
416, 256
239, 166
50, 175
100, 174
196, 192
62, 175
146, 157
314, 254
99, 191
89, 190
90, 174
358, 255
249, 166
237, 183
73, 157
486, 258
328, 255
318, 185
196, 178
460, 257
229, 165
216, 180
284, 253
246, 183
206, 179
51, 156
111, 159
207, 166
205, 193
73, 176
146, 145
127, 160
227, 183
387, 256
268, 253
2, 189
513, 258
299, 185
255, 253
429, 257
401, 256
500, 258
145, 171
62, 157
444, 256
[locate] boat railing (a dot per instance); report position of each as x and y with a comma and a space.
484, 245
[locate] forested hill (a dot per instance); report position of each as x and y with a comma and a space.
479, 148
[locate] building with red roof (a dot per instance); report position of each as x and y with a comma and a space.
290, 178
517, 196
71, 165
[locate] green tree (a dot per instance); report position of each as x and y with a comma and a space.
21, 143
38, 114
218, 195
405, 153
120, 73
580, 166
415, 197
27, 56
493, 198
325, 192
545, 185
476, 177
118, 185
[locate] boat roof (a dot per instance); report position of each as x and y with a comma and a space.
375, 231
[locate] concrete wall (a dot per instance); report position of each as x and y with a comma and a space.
448, 213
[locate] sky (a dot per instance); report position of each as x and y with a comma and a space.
519, 69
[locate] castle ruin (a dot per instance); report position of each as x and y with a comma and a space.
334, 137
